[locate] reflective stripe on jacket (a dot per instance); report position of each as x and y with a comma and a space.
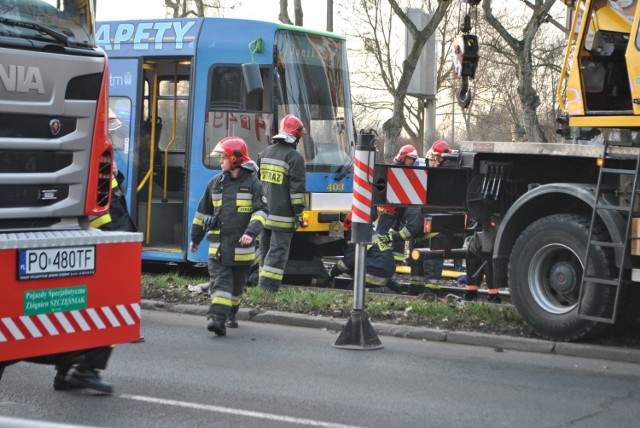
242, 209
282, 173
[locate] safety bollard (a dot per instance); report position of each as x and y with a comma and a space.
358, 333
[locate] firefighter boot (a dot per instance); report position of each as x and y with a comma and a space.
232, 322
396, 287
470, 296
216, 324
494, 298
89, 378
417, 289
61, 381
470, 293
422, 290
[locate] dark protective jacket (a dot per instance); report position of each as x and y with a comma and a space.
407, 221
380, 264
241, 208
282, 173
118, 216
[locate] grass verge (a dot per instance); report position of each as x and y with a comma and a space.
447, 314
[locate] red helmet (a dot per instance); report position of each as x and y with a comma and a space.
405, 152
440, 147
347, 222
234, 148
290, 130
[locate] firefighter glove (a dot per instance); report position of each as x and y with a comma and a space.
389, 237
209, 222
298, 220
385, 239
335, 271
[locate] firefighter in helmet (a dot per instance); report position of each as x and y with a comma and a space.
282, 173
400, 222
428, 273
407, 155
434, 154
231, 213
118, 217
380, 266
389, 217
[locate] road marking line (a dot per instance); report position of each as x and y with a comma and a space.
230, 411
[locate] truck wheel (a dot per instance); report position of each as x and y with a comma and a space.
545, 273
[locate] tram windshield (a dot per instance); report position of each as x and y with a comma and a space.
311, 82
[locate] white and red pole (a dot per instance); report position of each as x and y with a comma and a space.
358, 332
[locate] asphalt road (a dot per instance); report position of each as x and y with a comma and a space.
266, 375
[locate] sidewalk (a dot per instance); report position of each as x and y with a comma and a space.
498, 342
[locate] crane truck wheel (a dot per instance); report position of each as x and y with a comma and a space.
545, 273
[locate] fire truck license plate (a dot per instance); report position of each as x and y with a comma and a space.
56, 262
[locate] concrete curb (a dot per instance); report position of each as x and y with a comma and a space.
498, 342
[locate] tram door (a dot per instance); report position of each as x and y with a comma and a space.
159, 148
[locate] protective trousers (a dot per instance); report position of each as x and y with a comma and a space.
274, 252
225, 288
427, 273
95, 358
477, 269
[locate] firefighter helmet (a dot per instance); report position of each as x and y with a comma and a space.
440, 147
290, 130
234, 148
347, 222
407, 151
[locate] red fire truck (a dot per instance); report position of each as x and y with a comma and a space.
65, 286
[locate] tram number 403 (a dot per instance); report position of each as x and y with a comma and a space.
335, 187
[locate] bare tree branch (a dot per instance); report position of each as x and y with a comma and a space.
522, 49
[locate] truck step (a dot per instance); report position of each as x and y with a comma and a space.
603, 281
619, 171
617, 208
608, 244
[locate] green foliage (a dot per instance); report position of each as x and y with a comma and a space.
440, 313
298, 300
167, 280
383, 306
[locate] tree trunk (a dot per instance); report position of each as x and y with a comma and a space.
391, 129
297, 12
529, 99
284, 14
199, 7
393, 126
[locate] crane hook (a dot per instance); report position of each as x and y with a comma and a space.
463, 95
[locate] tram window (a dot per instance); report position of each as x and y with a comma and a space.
227, 90
119, 121
232, 112
168, 88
